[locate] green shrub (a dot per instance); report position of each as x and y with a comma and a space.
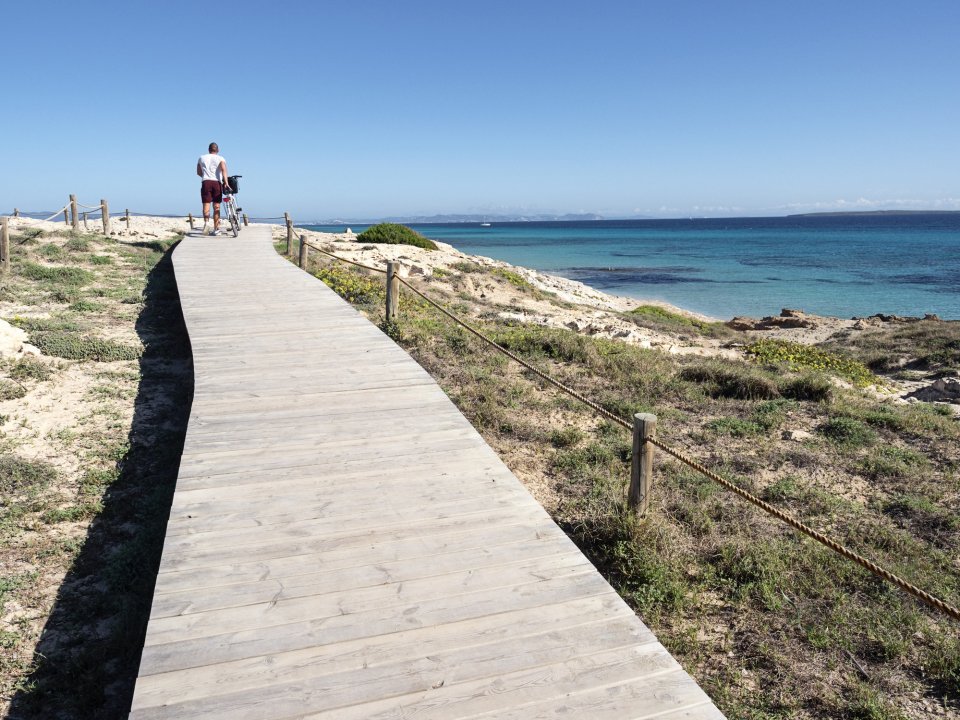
809, 386
731, 382
11, 390
394, 234
923, 510
735, 427
72, 346
17, 474
35, 324
563, 345
51, 251
101, 260
890, 461
64, 274
78, 244
512, 277
798, 356
65, 295
566, 437
351, 286
85, 306
29, 368
847, 431
772, 413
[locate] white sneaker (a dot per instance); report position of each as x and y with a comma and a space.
206, 229
216, 232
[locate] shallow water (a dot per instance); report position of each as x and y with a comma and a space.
843, 265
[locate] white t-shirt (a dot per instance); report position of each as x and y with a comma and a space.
210, 165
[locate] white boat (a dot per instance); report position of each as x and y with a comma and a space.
484, 224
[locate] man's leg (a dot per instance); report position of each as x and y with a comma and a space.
206, 216
216, 216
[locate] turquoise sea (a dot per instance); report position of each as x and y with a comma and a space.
845, 265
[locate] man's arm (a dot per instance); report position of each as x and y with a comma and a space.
199, 169
223, 174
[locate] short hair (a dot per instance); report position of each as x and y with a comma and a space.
213, 147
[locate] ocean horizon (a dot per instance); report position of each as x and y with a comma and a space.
837, 265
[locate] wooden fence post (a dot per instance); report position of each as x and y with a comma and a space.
105, 211
16, 212
286, 218
393, 292
75, 222
190, 219
85, 226
4, 246
641, 474
246, 222
66, 214
127, 218
302, 261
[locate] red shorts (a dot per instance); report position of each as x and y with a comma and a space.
210, 191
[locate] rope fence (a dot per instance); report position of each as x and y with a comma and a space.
644, 438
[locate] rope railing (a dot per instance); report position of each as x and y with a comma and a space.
61, 211
930, 600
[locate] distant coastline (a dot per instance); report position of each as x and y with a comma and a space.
866, 213
468, 218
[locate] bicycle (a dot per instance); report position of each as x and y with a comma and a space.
230, 204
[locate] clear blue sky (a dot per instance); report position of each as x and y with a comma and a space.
370, 108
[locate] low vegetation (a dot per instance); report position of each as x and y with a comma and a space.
798, 356
394, 234
906, 346
658, 318
90, 434
770, 623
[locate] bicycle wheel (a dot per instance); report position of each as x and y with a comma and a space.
234, 220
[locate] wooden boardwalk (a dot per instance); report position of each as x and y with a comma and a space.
343, 544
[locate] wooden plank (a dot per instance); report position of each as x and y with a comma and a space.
476, 539
411, 644
309, 632
260, 548
319, 602
352, 578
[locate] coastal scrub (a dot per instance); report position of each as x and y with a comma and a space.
394, 234
799, 356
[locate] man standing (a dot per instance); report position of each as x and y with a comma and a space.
212, 169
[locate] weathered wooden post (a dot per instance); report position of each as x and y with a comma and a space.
190, 218
127, 218
16, 212
75, 222
246, 222
393, 292
105, 210
286, 218
85, 226
4, 246
641, 475
302, 260
66, 214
